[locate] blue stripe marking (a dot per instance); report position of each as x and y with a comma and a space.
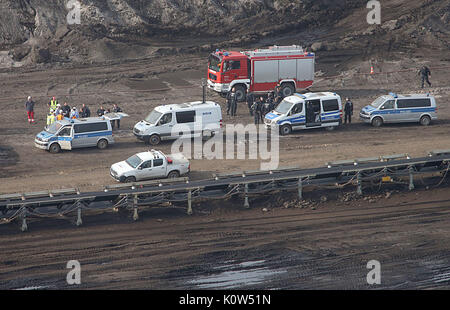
404, 110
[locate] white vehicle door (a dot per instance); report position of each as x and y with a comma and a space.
165, 125
65, 137
388, 111
159, 169
296, 115
144, 171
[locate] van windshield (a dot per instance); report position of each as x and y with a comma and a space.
153, 117
378, 102
134, 161
53, 128
283, 107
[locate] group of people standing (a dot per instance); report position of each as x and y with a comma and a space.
258, 106
59, 112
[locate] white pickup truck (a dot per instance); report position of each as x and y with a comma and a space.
150, 165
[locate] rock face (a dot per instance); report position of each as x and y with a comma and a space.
43, 23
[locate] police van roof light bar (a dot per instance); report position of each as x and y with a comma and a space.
393, 95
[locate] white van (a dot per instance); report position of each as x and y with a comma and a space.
202, 118
306, 111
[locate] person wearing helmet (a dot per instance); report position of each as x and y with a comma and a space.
29, 106
51, 118
74, 114
58, 109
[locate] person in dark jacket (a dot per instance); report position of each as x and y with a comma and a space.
258, 107
270, 102
278, 94
29, 106
116, 109
348, 109
66, 110
250, 101
85, 112
232, 102
101, 111
425, 72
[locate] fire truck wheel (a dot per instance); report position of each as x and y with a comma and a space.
240, 92
287, 89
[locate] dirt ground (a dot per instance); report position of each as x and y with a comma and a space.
217, 247
225, 246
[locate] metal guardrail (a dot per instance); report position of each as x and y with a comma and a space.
156, 192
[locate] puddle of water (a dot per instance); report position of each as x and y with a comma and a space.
236, 275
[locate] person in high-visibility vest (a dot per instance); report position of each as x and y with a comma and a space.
51, 118
60, 117
53, 103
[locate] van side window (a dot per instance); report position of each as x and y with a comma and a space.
330, 105
185, 117
90, 127
388, 105
413, 103
65, 132
158, 162
166, 119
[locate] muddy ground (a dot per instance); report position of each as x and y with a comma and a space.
227, 247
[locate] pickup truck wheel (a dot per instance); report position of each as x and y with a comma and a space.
54, 148
130, 179
173, 174
102, 144
154, 140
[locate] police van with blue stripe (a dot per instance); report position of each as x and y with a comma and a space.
395, 108
69, 134
306, 111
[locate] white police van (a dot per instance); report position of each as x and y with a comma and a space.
200, 118
69, 134
395, 108
306, 111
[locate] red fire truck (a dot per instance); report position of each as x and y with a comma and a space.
261, 70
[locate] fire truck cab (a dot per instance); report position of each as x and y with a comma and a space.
261, 70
